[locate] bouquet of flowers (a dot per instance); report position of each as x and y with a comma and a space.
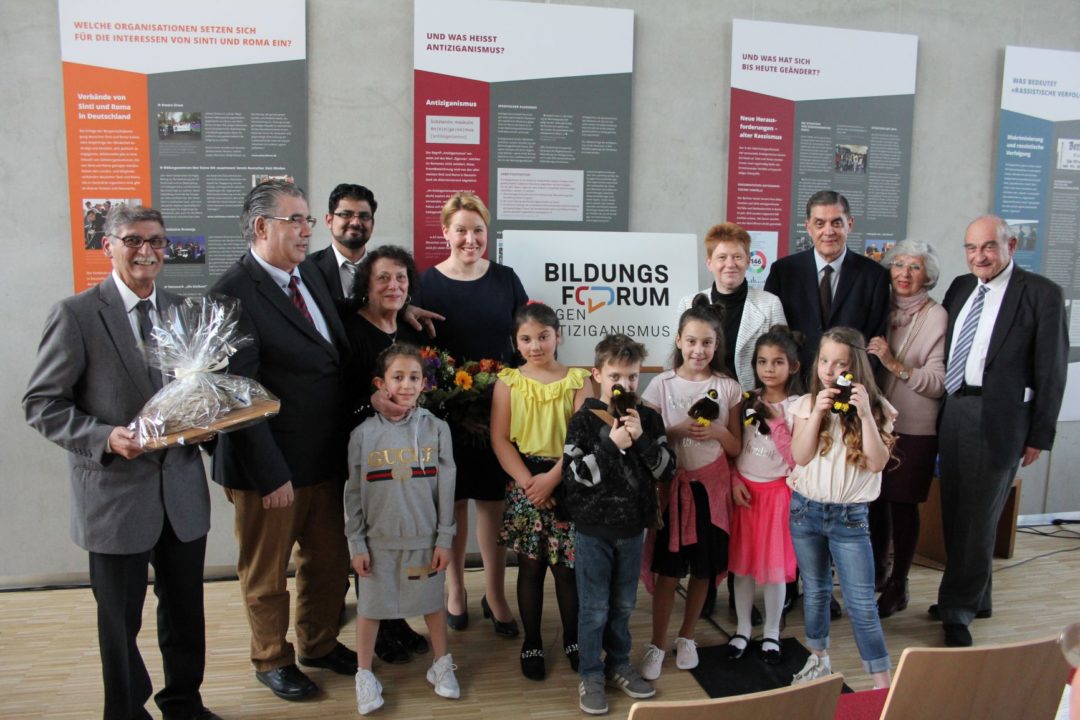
460, 392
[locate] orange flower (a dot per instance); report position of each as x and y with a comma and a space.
463, 380
488, 365
428, 352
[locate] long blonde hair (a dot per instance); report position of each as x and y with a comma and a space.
850, 424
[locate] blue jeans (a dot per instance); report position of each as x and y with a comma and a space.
840, 531
607, 578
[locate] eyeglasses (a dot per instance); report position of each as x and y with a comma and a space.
348, 215
134, 241
913, 267
297, 220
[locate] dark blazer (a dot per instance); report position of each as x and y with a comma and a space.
90, 377
1029, 347
861, 300
325, 261
305, 442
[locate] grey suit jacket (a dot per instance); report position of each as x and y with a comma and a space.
90, 377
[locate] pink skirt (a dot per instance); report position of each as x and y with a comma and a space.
760, 535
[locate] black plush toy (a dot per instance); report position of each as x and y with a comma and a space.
705, 410
621, 401
842, 400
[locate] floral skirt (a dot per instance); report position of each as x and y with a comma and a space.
532, 532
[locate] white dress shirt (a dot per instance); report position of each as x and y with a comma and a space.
281, 277
346, 271
130, 301
821, 263
980, 345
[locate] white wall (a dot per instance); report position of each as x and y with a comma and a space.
360, 102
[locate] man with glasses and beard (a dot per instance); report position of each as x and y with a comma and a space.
351, 221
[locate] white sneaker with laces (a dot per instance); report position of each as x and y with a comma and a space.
816, 666
651, 662
441, 675
685, 654
368, 692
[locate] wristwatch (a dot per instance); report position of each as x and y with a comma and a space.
903, 374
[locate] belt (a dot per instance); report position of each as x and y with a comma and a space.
969, 390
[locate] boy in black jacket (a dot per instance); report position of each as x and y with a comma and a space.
610, 470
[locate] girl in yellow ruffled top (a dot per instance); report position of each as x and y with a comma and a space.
529, 412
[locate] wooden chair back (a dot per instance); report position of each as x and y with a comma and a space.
814, 700
1019, 681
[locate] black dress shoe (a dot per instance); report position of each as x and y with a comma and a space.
341, 660
935, 614
458, 622
387, 646
734, 652
957, 635
288, 683
409, 639
506, 629
770, 653
894, 598
532, 663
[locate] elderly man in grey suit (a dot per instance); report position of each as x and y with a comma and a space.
1006, 349
129, 508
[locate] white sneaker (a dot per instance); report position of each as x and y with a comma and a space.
685, 653
814, 668
651, 662
441, 675
368, 692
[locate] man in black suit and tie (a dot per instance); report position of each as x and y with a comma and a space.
829, 286
351, 221
284, 477
1007, 357
129, 509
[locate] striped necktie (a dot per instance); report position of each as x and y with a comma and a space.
954, 378
298, 299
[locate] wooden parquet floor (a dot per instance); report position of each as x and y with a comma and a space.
49, 665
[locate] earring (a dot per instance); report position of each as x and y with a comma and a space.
363, 301
408, 300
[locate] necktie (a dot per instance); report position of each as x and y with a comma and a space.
146, 328
954, 378
298, 299
350, 268
825, 294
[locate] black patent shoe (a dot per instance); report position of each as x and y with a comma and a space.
506, 629
734, 652
532, 663
770, 653
458, 622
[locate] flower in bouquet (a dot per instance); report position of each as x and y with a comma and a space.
459, 392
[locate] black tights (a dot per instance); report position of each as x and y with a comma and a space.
530, 595
898, 522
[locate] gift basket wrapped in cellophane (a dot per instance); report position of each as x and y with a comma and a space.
191, 347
